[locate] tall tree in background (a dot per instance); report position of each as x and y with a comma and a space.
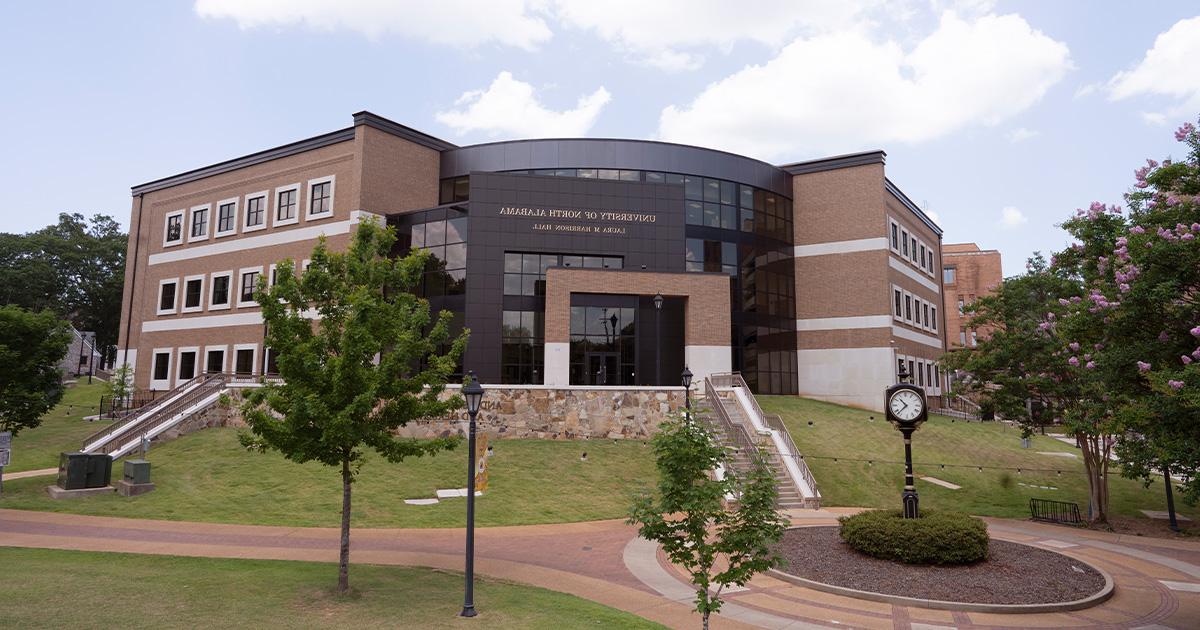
31, 345
75, 268
366, 366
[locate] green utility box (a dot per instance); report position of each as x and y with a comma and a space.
137, 471
72, 471
99, 470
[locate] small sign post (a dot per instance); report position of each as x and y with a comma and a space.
5, 455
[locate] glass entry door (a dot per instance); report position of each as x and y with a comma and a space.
603, 368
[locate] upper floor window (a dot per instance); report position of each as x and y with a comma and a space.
320, 199
904, 242
255, 211
922, 262
933, 320
249, 283
226, 217
166, 297
199, 223
193, 291
287, 200
895, 237
948, 275
220, 291
174, 232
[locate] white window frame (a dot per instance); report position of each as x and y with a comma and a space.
271, 274
212, 285
893, 225
161, 384
159, 310
308, 213
921, 246
933, 314
208, 225
266, 197
912, 254
183, 307
253, 360
179, 361
265, 353
909, 300
183, 228
898, 309
904, 236
224, 357
241, 275
275, 220
304, 265
217, 233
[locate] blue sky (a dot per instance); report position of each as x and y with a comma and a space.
1000, 117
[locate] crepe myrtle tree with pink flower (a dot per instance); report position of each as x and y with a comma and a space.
1146, 261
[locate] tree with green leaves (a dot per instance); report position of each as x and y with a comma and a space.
358, 357
120, 385
31, 346
75, 268
716, 543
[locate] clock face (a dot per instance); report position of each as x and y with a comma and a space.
906, 405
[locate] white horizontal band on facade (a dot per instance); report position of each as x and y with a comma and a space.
912, 335
207, 321
844, 323
921, 279
840, 247
310, 233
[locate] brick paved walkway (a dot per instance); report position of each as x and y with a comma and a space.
603, 561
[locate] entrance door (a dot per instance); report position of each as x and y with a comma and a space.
603, 368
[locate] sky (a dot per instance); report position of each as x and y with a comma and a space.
1000, 118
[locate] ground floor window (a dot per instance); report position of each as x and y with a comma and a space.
215, 362
270, 365
522, 347
162, 366
187, 365
244, 362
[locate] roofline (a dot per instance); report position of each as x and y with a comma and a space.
847, 160
375, 121
300, 146
908, 203
670, 144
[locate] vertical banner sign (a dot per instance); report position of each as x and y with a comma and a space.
481, 472
5, 453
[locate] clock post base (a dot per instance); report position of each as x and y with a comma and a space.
910, 503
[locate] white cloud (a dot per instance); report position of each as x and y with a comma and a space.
462, 23
1020, 134
1157, 119
842, 91
675, 34
1012, 218
510, 108
1168, 69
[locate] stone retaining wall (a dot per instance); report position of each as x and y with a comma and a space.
561, 413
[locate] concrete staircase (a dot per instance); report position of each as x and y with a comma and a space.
178, 405
742, 434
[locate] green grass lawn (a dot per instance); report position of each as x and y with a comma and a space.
62, 429
208, 476
46, 588
847, 433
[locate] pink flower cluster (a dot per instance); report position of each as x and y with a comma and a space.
1143, 366
1184, 131
1175, 385
1142, 172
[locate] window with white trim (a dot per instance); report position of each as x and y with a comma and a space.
248, 283
198, 227
974, 339
219, 295
167, 290
270, 362
904, 242
922, 262
897, 303
895, 235
912, 253
173, 234
949, 275
187, 364
933, 321
160, 369
962, 338
227, 217
244, 358
908, 307
214, 360
287, 203
320, 197
256, 212
925, 314
193, 294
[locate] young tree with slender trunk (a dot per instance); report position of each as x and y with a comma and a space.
360, 355
691, 519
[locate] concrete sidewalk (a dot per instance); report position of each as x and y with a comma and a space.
1158, 581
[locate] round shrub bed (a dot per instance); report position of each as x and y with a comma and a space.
935, 538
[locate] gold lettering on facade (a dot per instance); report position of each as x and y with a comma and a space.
603, 216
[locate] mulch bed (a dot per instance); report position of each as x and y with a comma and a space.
1012, 574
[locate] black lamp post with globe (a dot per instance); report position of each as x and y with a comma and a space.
687, 390
906, 409
472, 392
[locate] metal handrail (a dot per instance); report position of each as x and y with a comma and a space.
775, 422
736, 431
734, 379
189, 392
138, 429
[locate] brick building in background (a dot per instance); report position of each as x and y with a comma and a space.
574, 262
968, 273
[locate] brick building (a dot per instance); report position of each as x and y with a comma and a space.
968, 273
574, 262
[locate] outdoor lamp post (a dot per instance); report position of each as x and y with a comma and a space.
658, 302
687, 390
906, 409
92, 359
473, 393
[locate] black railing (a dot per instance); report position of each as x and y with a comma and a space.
1054, 511
114, 408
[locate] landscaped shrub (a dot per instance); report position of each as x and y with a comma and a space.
935, 538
